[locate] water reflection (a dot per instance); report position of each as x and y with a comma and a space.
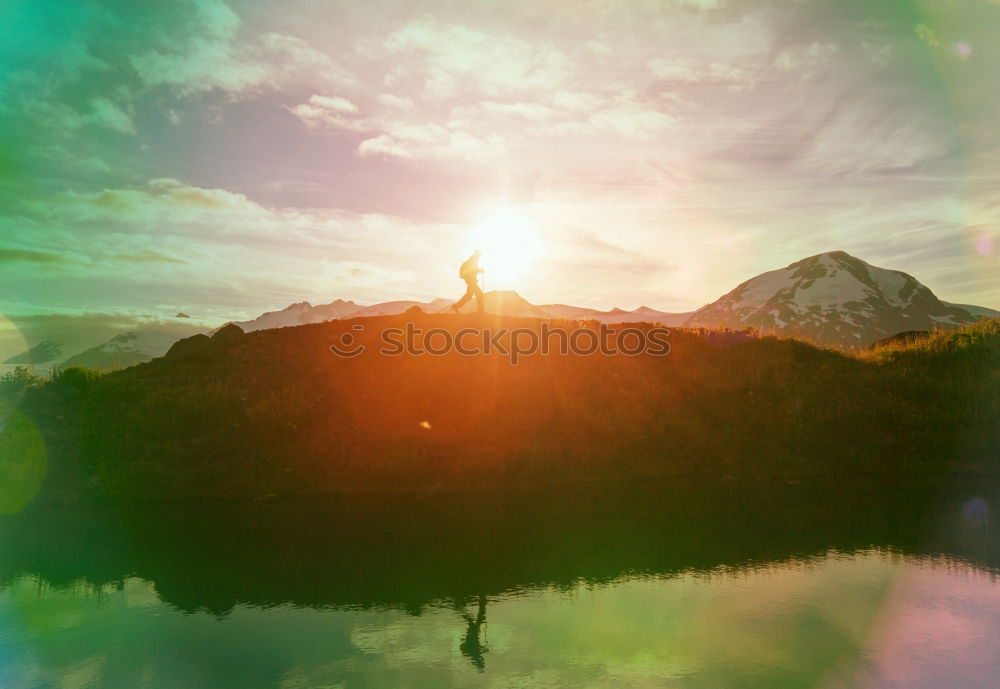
870, 619
472, 646
690, 586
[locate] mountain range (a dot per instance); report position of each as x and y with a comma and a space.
501, 302
303, 313
832, 299
126, 349
42, 353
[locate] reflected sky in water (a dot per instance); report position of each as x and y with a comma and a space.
871, 618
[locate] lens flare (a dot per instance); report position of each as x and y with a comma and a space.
984, 244
510, 240
22, 463
962, 50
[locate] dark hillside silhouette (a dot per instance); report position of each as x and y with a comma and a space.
274, 412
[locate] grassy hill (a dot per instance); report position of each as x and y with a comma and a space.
274, 412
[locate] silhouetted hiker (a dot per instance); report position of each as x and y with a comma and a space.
471, 647
469, 272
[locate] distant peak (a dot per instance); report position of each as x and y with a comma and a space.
227, 332
126, 337
299, 306
837, 256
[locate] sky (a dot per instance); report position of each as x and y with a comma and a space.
223, 159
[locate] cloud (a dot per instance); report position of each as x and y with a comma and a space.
660, 117
524, 102
160, 202
673, 69
146, 256
329, 111
873, 136
252, 257
334, 103
246, 255
399, 138
632, 120
384, 145
86, 166
808, 60
667, 5
433, 142
206, 57
529, 111
291, 61
13, 255
204, 66
732, 76
110, 115
448, 57
394, 101
927, 35
576, 101
217, 52
796, 61
62, 120
364, 275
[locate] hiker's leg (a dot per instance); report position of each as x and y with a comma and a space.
479, 296
469, 293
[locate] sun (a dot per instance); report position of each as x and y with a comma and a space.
510, 241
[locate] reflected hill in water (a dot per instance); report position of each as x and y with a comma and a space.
460, 549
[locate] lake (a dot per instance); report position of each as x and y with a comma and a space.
686, 585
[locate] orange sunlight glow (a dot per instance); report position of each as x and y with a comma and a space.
510, 242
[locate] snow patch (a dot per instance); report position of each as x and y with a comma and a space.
948, 320
891, 283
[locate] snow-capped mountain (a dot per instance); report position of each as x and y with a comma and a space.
42, 353
124, 350
832, 298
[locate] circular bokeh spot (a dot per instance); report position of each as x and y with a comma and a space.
22, 463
